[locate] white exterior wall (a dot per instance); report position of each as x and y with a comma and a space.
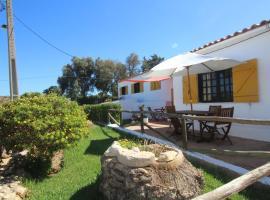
255, 47
148, 98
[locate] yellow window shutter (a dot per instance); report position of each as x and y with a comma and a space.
245, 82
155, 85
152, 86
141, 87
193, 89
132, 88
158, 85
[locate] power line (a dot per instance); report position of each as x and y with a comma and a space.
41, 37
44, 77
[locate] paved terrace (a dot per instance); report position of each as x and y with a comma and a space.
239, 144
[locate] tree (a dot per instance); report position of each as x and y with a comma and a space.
149, 63
107, 75
132, 63
52, 89
77, 78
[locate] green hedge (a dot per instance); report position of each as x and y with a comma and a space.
99, 112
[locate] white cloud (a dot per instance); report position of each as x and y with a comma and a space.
174, 45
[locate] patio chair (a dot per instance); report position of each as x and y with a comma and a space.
175, 121
214, 111
156, 116
222, 128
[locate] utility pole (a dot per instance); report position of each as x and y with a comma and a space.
13, 82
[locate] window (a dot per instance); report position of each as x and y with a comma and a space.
155, 85
124, 90
137, 88
216, 86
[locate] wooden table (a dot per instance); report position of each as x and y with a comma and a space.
197, 113
194, 112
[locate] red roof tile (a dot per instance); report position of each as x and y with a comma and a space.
252, 27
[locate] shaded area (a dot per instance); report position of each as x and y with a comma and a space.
98, 147
88, 192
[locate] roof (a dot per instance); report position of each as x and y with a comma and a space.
252, 27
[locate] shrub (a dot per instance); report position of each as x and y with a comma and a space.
41, 124
99, 112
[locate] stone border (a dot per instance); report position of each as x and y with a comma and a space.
202, 158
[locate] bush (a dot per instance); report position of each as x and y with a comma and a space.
99, 112
41, 124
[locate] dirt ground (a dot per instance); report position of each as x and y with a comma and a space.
219, 149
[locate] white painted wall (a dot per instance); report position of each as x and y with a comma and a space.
255, 44
153, 99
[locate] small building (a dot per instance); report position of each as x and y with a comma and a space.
155, 94
244, 87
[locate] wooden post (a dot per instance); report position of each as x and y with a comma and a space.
113, 119
109, 121
142, 124
141, 119
184, 133
237, 184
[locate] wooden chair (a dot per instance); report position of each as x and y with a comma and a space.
213, 111
175, 121
156, 116
222, 128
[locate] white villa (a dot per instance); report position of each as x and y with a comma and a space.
246, 87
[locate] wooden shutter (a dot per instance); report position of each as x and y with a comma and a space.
141, 87
126, 89
152, 86
245, 82
193, 89
132, 88
155, 85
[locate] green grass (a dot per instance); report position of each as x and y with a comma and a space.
78, 180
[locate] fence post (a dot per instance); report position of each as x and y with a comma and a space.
109, 121
141, 119
184, 133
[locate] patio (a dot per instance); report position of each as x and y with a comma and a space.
222, 150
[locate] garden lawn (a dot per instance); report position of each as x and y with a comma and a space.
78, 180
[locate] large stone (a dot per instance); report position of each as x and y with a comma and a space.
169, 176
131, 158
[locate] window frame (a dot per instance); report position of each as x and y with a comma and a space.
136, 86
216, 86
125, 89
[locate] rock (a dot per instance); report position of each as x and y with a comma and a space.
11, 189
57, 162
136, 159
167, 156
131, 158
21, 191
136, 149
169, 176
113, 150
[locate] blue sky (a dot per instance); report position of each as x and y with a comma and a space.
114, 29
